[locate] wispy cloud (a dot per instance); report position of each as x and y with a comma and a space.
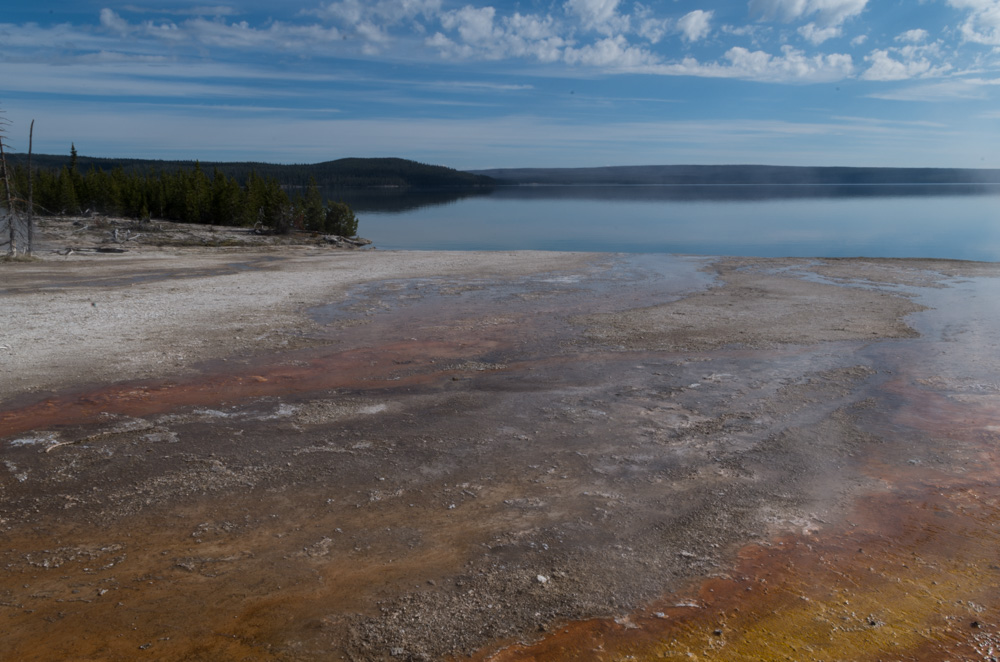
792, 65
937, 92
485, 143
216, 10
881, 121
827, 13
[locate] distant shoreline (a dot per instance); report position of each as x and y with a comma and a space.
740, 175
394, 173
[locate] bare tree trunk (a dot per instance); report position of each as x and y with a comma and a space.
31, 197
10, 200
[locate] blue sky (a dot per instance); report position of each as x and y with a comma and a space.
501, 83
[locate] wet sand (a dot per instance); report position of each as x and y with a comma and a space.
298, 454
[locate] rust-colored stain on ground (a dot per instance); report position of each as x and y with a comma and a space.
926, 592
369, 367
404, 499
911, 573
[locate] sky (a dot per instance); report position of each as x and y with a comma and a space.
508, 83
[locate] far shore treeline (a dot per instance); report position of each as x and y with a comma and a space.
277, 197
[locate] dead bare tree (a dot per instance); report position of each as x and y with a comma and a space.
31, 194
8, 194
20, 227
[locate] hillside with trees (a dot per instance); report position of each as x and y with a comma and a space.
348, 173
269, 196
188, 195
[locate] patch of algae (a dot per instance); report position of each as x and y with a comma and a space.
918, 581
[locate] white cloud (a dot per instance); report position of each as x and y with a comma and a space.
982, 26
480, 35
610, 53
759, 34
369, 22
740, 30
372, 33
218, 32
914, 60
393, 12
533, 36
282, 36
114, 22
828, 13
860, 39
598, 15
473, 25
913, 36
817, 35
792, 66
421, 28
648, 27
349, 11
884, 67
696, 25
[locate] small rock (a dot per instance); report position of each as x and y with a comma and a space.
542, 579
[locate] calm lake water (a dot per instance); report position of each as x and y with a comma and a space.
947, 221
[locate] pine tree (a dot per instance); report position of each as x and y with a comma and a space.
67, 202
340, 220
313, 215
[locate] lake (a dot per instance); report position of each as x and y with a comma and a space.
945, 221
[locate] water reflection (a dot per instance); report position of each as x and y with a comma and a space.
391, 200
946, 221
395, 200
731, 193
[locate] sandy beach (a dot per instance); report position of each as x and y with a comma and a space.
295, 452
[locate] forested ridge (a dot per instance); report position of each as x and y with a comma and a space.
188, 195
341, 173
276, 196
